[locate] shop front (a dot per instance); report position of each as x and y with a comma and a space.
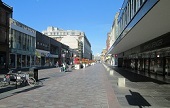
45, 59
153, 57
21, 60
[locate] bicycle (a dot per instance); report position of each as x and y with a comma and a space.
23, 77
6, 79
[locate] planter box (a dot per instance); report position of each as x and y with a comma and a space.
84, 65
77, 66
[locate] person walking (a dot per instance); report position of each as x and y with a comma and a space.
57, 64
64, 67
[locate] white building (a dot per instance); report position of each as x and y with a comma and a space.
75, 39
112, 35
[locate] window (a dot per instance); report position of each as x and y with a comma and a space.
3, 35
19, 40
130, 15
134, 4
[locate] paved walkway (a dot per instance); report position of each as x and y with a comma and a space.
139, 91
92, 87
84, 88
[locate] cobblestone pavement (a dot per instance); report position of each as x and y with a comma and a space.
92, 87
84, 88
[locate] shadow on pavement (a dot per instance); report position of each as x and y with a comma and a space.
41, 79
14, 91
135, 99
28, 89
7, 88
134, 77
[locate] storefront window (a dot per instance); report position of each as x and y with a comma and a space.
51, 61
42, 61
152, 64
167, 66
23, 60
47, 62
19, 61
28, 61
32, 60
12, 60
159, 66
146, 64
38, 61
2, 61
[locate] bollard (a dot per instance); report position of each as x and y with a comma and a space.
108, 69
121, 82
111, 72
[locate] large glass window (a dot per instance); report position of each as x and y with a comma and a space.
38, 61
19, 61
167, 66
134, 4
19, 40
146, 64
2, 60
159, 65
32, 60
152, 65
23, 60
28, 61
12, 61
23, 41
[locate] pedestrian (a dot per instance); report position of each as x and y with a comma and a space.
64, 67
57, 64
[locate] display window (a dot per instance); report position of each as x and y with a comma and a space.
12, 61
28, 61
152, 65
167, 66
2, 61
24, 61
19, 61
159, 65
38, 61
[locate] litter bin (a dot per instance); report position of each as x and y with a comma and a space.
35, 72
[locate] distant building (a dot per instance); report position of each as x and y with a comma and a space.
75, 39
103, 54
5, 14
111, 38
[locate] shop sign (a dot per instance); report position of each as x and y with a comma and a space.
160, 42
53, 56
153, 45
42, 53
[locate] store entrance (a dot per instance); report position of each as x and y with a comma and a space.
2, 61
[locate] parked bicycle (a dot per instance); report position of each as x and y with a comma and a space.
6, 79
24, 78
19, 78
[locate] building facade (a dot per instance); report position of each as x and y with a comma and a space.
111, 38
5, 14
22, 45
73, 38
143, 37
49, 51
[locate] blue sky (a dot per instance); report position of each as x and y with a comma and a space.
94, 17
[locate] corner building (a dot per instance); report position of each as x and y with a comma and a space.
143, 42
5, 14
